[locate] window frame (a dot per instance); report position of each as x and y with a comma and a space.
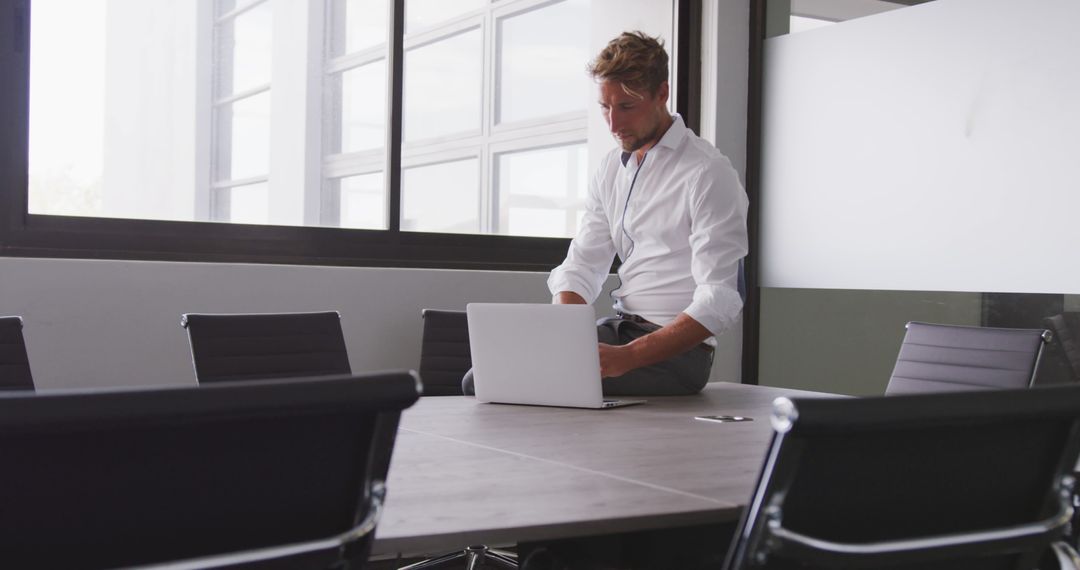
53, 236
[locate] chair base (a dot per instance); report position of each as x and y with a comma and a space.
474, 557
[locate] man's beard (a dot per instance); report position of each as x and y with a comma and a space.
636, 143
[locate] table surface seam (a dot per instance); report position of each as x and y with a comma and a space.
568, 465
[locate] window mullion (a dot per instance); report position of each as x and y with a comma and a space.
206, 113
234, 97
237, 12
314, 112
225, 184
488, 186
221, 137
395, 108
291, 197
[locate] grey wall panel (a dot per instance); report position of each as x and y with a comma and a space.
846, 341
93, 323
102, 323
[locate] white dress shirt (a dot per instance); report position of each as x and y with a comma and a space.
680, 237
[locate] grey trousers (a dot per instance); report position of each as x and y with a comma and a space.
681, 375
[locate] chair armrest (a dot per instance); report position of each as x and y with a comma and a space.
1066, 556
841, 554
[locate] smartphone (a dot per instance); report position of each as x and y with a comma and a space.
724, 419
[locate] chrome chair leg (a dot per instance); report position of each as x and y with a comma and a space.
1067, 557
501, 559
474, 558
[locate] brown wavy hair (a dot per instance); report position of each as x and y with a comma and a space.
635, 60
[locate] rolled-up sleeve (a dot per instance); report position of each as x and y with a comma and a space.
718, 241
591, 252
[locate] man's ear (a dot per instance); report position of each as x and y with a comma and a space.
662, 93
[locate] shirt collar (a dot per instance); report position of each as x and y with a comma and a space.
671, 139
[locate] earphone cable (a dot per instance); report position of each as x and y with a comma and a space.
622, 224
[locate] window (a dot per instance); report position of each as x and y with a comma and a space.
243, 40
273, 130
463, 106
65, 148
355, 162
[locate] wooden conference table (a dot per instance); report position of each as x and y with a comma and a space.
466, 473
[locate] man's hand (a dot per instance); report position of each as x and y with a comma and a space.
676, 337
616, 360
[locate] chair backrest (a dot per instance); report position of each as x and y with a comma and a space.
931, 481
229, 347
1066, 329
444, 352
112, 478
946, 358
14, 365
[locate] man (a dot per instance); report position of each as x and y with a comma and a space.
672, 208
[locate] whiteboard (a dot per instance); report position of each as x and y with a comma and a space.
932, 148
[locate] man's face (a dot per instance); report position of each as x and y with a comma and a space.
634, 120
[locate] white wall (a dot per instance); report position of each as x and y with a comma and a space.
932, 148
725, 64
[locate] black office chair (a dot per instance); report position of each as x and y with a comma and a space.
1066, 329
229, 474
935, 358
445, 357
933, 481
228, 347
14, 365
444, 351
945, 358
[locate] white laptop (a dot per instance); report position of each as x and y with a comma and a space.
537, 354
